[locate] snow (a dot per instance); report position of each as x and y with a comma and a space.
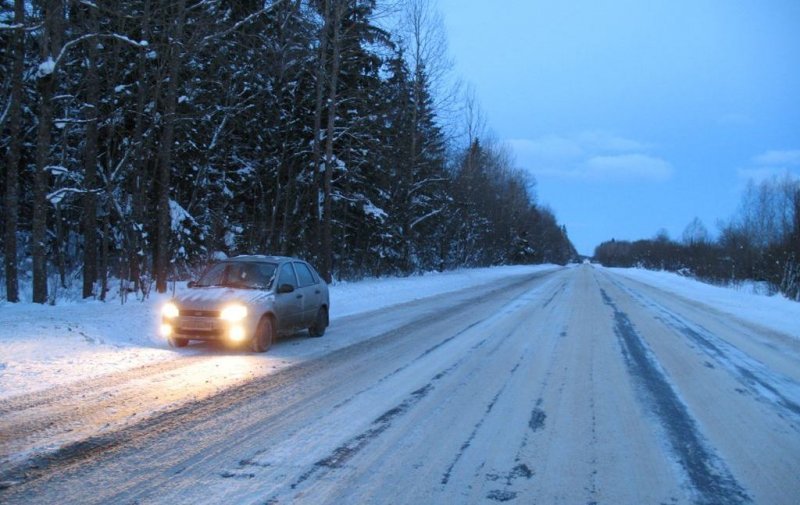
774, 312
513, 397
376, 212
178, 216
46, 346
46, 68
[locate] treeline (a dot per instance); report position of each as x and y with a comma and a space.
141, 137
761, 243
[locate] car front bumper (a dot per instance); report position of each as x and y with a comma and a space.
205, 328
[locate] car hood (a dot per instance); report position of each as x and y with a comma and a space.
215, 298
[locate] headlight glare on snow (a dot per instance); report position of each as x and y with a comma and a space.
170, 310
236, 333
233, 313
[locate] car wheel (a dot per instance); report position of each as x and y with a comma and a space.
177, 342
262, 340
320, 323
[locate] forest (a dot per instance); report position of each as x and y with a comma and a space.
760, 243
141, 139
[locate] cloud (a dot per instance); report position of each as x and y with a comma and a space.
547, 148
778, 158
771, 165
628, 166
595, 156
608, 142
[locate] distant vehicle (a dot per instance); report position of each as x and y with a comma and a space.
249, 299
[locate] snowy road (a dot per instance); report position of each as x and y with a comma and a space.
570, 386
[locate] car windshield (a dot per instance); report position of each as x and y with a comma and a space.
238, 275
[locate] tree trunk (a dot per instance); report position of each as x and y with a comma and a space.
322, 65
165, 151
327, 216
135, 228
60, 246
50, 48
90, 162
14, 148
104, 250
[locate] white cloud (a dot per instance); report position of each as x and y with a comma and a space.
591, 156
771, 165
547, 148
628, 166
778, 158
608, 142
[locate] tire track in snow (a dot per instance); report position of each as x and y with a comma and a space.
560, 289
536, 421
339, 456
513, 305
471, 437
707, 474
777, 389
398, 370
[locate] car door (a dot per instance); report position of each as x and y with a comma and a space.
288, 306
312, 295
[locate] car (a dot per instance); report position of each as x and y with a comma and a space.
249, 300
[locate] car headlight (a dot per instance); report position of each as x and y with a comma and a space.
233, 313
170, 310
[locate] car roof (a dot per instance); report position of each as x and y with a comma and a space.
256, 258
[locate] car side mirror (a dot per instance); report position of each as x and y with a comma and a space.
191, 284
285, 288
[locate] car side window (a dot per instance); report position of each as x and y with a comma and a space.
317, 278
304, 275
287, 276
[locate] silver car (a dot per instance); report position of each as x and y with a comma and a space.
249, 299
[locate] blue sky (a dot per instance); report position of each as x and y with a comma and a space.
636, 115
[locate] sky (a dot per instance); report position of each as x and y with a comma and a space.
635, 116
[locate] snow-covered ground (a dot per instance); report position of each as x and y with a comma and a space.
774, 312
45, 346
511, 385
511, 390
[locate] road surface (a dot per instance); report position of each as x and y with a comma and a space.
575, 386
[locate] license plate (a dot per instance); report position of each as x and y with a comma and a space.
197, 323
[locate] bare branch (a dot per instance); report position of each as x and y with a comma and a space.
46, 69
241, 23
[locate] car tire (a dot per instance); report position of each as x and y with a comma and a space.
175, 342
318, 329
262, 340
